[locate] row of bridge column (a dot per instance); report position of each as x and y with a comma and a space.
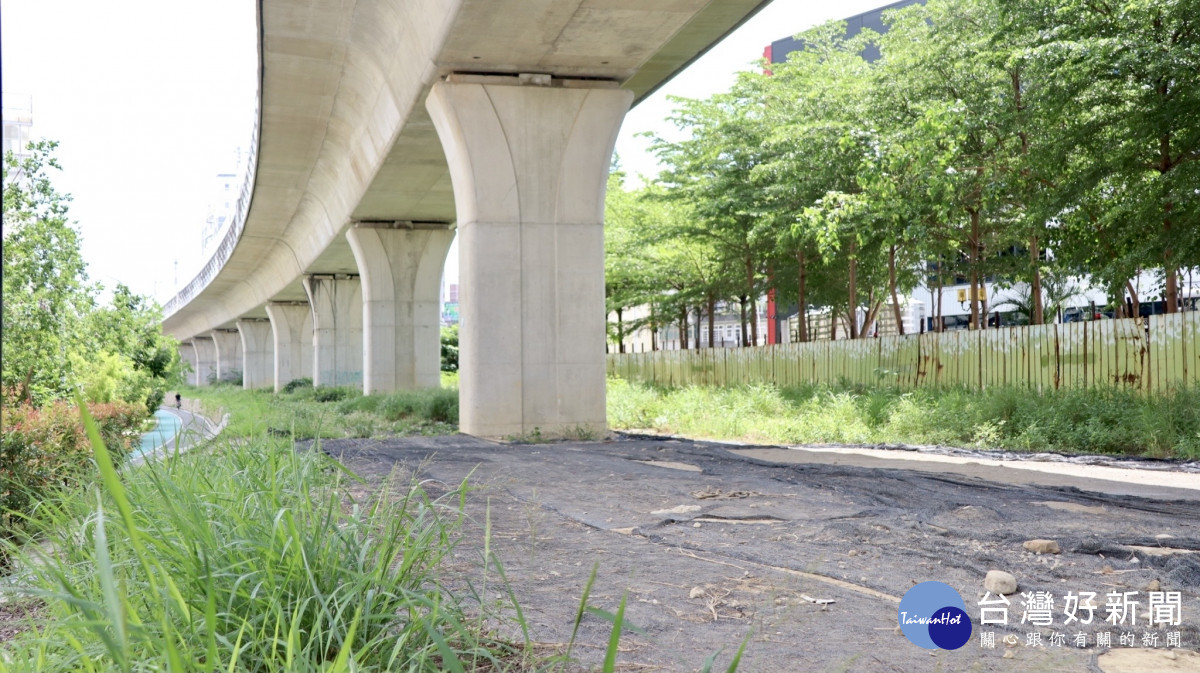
380, 330
529, 159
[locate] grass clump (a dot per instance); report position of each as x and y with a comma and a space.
1107, 421
330, 412
245, 558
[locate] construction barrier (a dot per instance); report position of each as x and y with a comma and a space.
1154, 355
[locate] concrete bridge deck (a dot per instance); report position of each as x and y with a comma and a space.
387, 125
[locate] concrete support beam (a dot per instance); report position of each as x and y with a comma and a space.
258, 353
401, 273
187, 353
206, 359
229, 354
337, 308
529, 165
291, 324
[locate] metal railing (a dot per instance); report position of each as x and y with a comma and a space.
241, 209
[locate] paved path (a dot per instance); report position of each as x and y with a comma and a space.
184, 429
711, 542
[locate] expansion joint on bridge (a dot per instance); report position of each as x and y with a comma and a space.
405, 225
532, 79
333, 276
288, 303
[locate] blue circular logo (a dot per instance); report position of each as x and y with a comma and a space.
934, 616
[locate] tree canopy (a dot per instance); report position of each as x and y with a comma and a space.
1006, 140
55, 335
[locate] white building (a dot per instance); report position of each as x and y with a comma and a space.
18, 123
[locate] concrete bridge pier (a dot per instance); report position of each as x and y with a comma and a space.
187, 353
258, 353
206, 358
400, 265
292, 325
337, 310
229, 353
529, 158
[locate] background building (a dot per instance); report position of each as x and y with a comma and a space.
18, 123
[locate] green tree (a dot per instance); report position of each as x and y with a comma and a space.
55, 336
46, 296
130, 329
820, 144
1125, 147
712, 172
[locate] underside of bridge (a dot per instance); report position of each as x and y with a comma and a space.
385, 127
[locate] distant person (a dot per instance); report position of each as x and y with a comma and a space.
178, 401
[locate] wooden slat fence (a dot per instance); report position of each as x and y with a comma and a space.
1155, 355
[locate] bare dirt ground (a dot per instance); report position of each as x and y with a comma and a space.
713, 544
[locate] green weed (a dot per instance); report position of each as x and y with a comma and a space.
245, 557
1108, 421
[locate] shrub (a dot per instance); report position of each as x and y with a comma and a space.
443, 406
450, 348
334, 394
1112, 421
280, 569
297, 384
45, 449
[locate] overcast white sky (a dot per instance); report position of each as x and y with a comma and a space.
150, 99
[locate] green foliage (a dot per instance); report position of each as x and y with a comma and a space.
55, 335
988, 132
1109, 421
308, 412
449, 338
334, 394
284, 570
45, 449
45, 292
294, 385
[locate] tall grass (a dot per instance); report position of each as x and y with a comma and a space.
1108, 421
243, 558
308, 412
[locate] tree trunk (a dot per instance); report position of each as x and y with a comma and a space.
683, 328
974, 260
892, 287
1035, 286
653, 331
833, 320
938, 325
620, 331
753, 321
753, 301
1133, 297
853, 290
872, 316
742, 325
712, 316
1171, 291
802, 298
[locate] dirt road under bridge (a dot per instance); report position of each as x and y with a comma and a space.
807, 554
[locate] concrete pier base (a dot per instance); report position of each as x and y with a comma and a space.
229, 354
291, 323
206, 359
258, 353
401, 272
187, 353
337, 308
529, 160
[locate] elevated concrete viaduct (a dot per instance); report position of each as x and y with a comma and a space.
385, 126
